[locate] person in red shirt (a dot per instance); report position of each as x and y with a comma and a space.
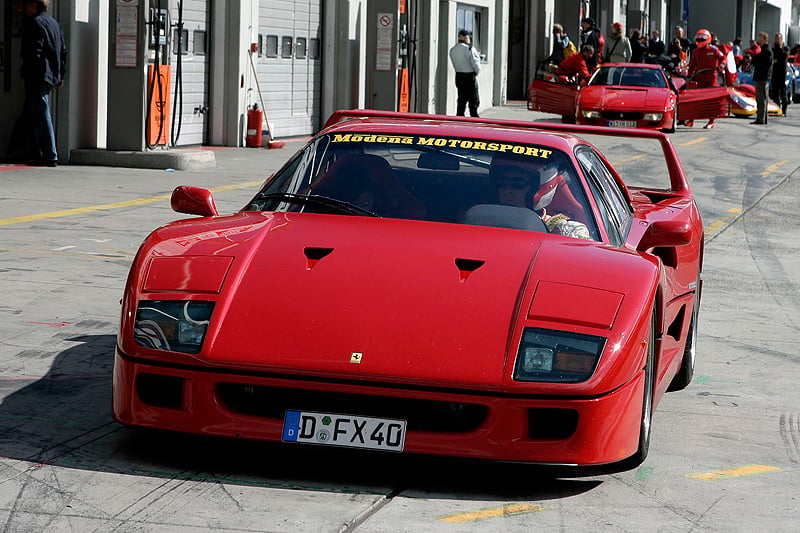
575, 65
706, 62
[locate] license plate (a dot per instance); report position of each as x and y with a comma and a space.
622, 123
344, 430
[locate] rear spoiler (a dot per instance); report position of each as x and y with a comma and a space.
678, 182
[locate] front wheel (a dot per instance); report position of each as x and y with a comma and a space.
647, 402
674, 122
685, 374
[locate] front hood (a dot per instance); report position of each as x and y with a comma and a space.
618, 98
307, 293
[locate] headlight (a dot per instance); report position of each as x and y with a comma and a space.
589, 113
653, 116
552, 356
173, 325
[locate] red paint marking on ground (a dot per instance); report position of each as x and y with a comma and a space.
13, 167
52, 325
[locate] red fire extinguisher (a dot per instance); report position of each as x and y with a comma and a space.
254, 118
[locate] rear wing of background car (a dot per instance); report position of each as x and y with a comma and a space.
679, 185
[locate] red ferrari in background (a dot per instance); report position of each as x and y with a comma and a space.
629, 95
423, 284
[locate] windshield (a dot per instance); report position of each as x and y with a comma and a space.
629, 77
439, 179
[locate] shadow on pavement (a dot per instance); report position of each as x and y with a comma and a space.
64, 420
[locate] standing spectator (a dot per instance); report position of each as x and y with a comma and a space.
737, 47
466, 62
44, 65
618, 47
686, 45
656, 47
705, 65
592, 37
638, 48
780, 57
762, 72
561, 45
576, 65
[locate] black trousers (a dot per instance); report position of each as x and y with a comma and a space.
778, 93
467, 85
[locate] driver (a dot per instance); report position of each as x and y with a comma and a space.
537, 184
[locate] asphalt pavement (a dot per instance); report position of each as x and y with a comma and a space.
725, 453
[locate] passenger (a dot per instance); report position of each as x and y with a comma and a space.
536, 184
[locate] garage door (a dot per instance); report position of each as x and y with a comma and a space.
288, 65
190, 77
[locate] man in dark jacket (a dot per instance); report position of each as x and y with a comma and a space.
592, 37
762, 65
44, 60
780, 57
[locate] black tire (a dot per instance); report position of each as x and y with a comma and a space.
568, 119
674, 122
685, 374
647, 402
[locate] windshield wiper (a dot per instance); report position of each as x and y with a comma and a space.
340, 206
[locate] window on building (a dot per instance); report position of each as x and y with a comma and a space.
313, 48
199, 42
300, 48
271, 46
182, 47
286, 47
471, 18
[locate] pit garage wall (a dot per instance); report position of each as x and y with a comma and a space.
191, 125
289, 65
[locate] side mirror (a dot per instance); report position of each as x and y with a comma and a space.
193, 201
665, 233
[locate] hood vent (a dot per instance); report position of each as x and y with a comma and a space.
313, 255
468, 266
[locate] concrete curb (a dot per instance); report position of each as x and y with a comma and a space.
156, 159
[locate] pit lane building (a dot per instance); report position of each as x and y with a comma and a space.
303, 59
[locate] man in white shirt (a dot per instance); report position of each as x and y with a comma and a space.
466, 61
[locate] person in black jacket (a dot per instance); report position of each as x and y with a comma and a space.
591, 36
780, 57
44, 60
762, 71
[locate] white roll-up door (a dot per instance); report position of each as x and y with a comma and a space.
192, 78
289, 65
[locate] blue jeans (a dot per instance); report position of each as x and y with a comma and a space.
37, 102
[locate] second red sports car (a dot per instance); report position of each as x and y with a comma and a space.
629, 95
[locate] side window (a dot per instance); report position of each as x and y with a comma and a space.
614, 209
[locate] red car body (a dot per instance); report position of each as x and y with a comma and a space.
635, 95
468, 339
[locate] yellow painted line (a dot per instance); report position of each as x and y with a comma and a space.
717, 224
116, 205
773, 168
634, 158
111, 255
747, 470
492, 513
695, 141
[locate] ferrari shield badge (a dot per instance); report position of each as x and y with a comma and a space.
355, 357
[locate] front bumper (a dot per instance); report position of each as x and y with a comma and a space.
441, 421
